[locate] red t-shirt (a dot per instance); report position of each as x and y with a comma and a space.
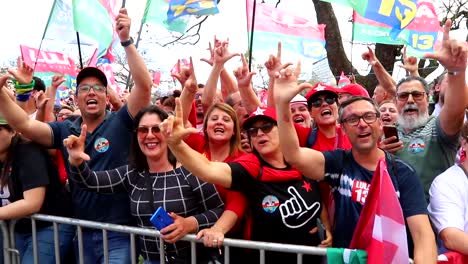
323, 143
233, 201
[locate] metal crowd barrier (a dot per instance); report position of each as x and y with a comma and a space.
11, 255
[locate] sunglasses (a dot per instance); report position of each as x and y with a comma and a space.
266, 128
319, 101
97, 88
417, 95
143, 130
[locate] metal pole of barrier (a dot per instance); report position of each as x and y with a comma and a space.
262, 256
299, 258
132, 248
161, 251
6, 242
34, 238
15, 256
80, 244
226, 255
56, 244
193, 251
105, 245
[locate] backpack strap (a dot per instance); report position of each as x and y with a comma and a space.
312, 138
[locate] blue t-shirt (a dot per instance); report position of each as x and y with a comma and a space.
108, 146
350, 184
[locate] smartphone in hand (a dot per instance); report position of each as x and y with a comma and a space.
391, 131
321, 230
160, 219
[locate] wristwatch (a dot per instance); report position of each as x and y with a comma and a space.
127, 43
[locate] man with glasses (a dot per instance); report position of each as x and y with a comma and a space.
107, 143
349, 173
430, 143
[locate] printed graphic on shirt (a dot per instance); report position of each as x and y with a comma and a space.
359, 191
416, 146
270, 203
101, 145
296, 212
5, 195
306, 186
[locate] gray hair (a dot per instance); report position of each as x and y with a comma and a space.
414, 78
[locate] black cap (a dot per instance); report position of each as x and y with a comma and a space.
91, 72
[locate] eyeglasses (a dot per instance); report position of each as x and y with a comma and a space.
143, 130
266, 128
369, 118
417, 95
96, 87
319, 101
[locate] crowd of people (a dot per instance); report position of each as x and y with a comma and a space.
224, 164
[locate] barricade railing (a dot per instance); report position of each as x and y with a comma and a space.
9, 241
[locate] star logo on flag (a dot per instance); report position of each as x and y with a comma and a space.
319, 88
306, 186
259, 111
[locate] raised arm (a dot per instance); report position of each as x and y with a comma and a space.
188, 80
425, 250
410, 64
453, 56
45, 103
384, 78
273, 65
110, 181
140, 95
19, 120
308, 161
221, 55
213, 172
244, 81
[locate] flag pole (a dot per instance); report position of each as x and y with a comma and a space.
252, 34
79, 49
352, 40
136, 46
45, 31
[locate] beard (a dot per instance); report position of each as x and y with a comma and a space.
412, 122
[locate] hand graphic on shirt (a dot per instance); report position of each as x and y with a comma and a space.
296, 212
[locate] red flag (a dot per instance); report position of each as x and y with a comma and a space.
452, 258
157, 77
381, 226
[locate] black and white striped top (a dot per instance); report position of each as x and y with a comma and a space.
176, 191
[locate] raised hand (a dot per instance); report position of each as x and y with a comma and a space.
410, 64
216, 44
57, 80
273, 64
222, 54
173, 129
75, 147
183, 73
243, 75
122, 25
23, 73
41, 99
286, 86
453, 54
3, 82
369, 56
191, 83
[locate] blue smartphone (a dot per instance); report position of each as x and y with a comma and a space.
321, 229
160, 219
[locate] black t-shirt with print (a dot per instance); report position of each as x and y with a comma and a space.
32, 167
284, 205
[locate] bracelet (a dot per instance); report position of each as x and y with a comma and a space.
28, 85
453, 72
23, 90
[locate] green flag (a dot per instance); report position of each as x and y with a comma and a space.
156, 11
346, 256
359, 5
92, 19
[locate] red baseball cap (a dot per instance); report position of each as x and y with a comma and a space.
320, 88
261, 113
354, 90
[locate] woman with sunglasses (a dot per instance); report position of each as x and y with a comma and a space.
285, 206
152, 179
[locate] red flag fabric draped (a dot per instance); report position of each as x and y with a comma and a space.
381, 226
452, 258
